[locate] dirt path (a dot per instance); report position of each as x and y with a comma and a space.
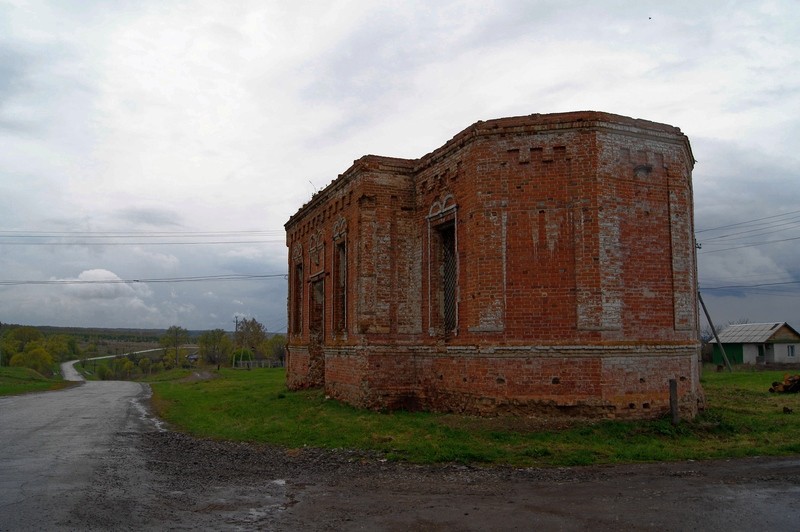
184, 483
92, 458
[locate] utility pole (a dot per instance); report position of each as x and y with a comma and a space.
714, 330
235, 341
177, 333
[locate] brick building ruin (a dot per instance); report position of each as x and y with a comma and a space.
533, 264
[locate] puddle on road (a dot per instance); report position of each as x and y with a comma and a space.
144, 413
245, 507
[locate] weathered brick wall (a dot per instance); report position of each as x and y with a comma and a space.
559, 232
297, 367
628, 383
575, 267
386, 261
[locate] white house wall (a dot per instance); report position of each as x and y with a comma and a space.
782, 353
749, 353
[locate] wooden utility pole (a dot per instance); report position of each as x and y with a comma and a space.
714, 330
235, 341
177, 349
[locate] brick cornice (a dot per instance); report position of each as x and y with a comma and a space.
557, 122
515, 125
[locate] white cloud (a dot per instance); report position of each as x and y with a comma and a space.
103, 284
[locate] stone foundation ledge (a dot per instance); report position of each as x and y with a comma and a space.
559, 351
589, 408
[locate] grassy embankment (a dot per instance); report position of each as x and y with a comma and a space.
23, 380
742, 419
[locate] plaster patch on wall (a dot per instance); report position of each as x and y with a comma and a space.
610, 269
682, 243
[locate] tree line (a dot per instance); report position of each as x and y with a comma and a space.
27, 346
250, 341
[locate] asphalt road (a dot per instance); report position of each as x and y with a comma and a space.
51, 444
91, 458
69, 372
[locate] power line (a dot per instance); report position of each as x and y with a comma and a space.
772, 228
204, 278
750, 245
758, 227
734, 286
199, 243
780, 277
101, 234
141, 238
748, 222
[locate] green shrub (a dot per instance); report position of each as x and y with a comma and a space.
37, 359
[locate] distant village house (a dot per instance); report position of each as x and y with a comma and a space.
758, 343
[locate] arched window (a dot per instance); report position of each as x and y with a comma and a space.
296, 326
443, 268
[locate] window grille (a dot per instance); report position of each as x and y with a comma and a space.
316, 319
340, 289
448, 275
297, 318
443, 268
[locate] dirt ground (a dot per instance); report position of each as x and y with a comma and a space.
166, 480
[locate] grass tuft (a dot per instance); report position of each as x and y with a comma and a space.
742, 419
15, 381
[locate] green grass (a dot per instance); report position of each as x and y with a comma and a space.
742, 419
168, 375
23, 380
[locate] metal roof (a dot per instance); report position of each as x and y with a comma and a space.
749, 333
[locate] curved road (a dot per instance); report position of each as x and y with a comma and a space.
50, 444
69, 372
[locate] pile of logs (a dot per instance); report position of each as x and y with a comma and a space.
790, 384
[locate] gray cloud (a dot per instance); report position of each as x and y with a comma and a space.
735, 182
155, 217
189, 117
12, 72
15, 71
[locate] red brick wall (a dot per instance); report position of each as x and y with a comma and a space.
297, 367
626, 384
575, 261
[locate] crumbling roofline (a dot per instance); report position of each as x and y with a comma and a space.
529, 124
366, 163
546, 123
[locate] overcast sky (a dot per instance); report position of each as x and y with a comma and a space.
158, 140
